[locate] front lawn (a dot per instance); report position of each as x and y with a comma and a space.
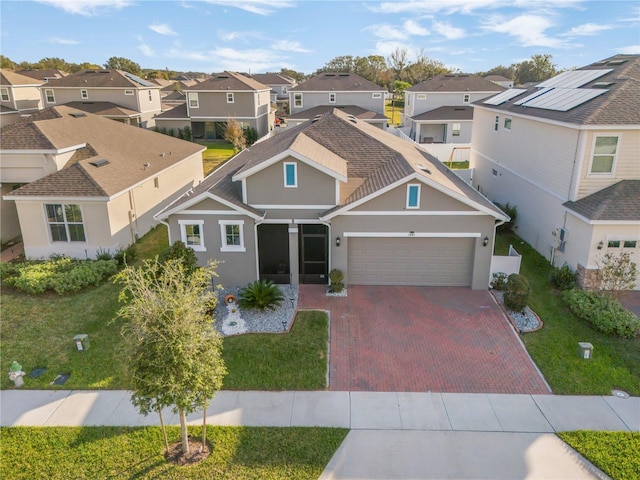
554, 348
215, 155
615, 453
126, 452
394, 114
268, 361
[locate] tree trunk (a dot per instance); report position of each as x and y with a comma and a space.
204, 427
164, 431
184, 437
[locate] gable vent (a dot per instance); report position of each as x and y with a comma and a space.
99, 163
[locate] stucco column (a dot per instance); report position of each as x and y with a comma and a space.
294, 266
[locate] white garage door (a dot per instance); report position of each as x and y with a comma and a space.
411, 261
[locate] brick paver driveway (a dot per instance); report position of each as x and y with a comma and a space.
416, 339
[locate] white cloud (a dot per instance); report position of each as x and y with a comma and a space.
241, 36
386, 31
414, 28
448, 31
462, 51
63, 41
587, 29
419, 7
145, 49
258, 59
629, 50
259, 7
162, 29
386, 48
528, 29
289, 46
87, 8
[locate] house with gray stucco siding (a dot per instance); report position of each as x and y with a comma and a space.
336, 192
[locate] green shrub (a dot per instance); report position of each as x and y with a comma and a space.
186, 255
335, 278
103, 254
516, 295
187, 133
604, 313
563, 278
260, 295
127, 255
499, 281
250, 135
512, 211
61, 275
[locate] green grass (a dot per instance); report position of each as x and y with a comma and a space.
394, 116
554, 348
126, 452
215, 155
267, 361
615, 453
457, 165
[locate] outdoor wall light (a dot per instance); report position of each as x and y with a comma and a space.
337, 241
600, 245
485, 242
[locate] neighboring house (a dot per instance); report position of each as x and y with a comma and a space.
500, 80
336, 192
367, 116
19, 94
44, 75
566, 153
112, 88
336, 89
91, 184
280, 85
212, 103
438, 112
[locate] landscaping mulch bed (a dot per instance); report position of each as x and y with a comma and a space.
196, 453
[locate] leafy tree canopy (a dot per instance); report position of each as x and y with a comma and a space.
121, 63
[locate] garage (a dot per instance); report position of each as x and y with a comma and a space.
445, 262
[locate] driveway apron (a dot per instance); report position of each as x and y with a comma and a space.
419, 339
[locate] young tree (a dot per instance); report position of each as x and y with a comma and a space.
235, 135
617, 272
537, 69
121, 63
176, 359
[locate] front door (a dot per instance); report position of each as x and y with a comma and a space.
273, 252
314, 253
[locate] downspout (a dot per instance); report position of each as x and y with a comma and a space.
168, 229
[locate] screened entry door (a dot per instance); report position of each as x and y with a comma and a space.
313, 253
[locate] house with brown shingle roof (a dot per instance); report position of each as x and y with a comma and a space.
210, 104
566, 152
280, 85
74, 183
438, 112
337, 192
335, 89
117, 88
18, 94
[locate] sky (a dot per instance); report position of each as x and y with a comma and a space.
266, 35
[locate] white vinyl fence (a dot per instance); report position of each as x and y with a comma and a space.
506, 263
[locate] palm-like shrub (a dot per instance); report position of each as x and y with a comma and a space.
261, 295
336, 277
516, 295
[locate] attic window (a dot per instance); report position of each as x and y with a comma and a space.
78, 115
99, 163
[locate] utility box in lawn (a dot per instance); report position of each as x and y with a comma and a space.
81, 342
585, 350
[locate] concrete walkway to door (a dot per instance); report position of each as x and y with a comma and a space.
419, 339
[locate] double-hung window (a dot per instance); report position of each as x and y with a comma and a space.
84, 94
232, 235
413, 195
65, 222
605, 150
455, 130
332, 97
507, 123
192, 234
50, 96
4, 94
230, 97
290, 175
192, 98
297, 100
466, 98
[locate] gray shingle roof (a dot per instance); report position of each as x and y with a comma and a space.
447, 113
273, 79
230, 81
11, 78
619, 105
337, 82
108, 78
620, 202
108, 109
179, 112
127, 148
354, 110
456, 82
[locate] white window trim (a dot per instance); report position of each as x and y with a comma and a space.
295, 174
4, 92
376, 95
421, 96
413, 207
610, 174
466, 98
454, 129
223, 236
46, 95
193, 96
84, 94
294, 100
183, 234
66, 224
128, 92
332, 97
231, 98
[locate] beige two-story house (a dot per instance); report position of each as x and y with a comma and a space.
566, 153
336, 192
211, 103
19, 94
110, 93
87, 183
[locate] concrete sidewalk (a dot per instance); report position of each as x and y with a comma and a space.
462, 412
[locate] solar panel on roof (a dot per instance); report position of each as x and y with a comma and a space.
563, 99
574, 78
504, 96
528, 98
138, 80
